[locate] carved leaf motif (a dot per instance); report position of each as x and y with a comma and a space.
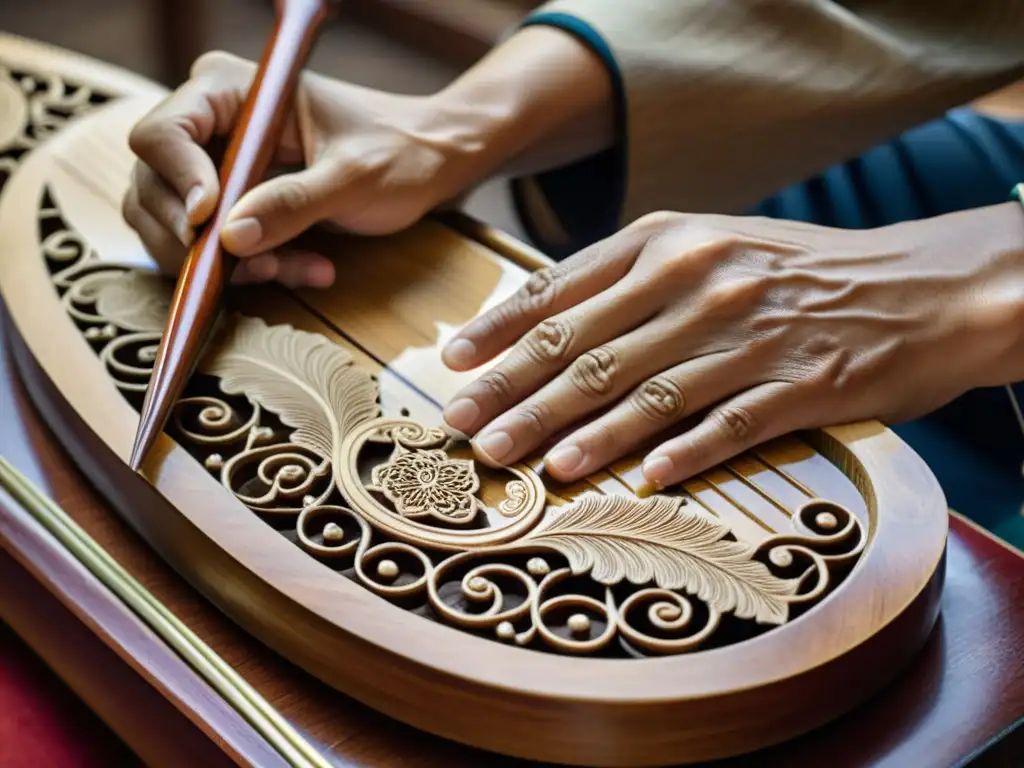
309, 382
135, 301
619, 538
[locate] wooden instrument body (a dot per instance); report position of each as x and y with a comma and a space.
556, 700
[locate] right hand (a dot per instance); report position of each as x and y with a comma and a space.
373, 163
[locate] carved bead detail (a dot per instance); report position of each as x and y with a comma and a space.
826, 521
387, 569
579, 623
214, 462
594, 373
538, 566
659, 400
333, 534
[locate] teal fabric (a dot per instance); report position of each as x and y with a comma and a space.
963, 160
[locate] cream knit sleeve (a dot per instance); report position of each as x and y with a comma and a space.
727, 101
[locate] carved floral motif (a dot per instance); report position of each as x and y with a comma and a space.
428, 484
292, 427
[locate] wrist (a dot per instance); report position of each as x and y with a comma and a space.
996, 298
540, 100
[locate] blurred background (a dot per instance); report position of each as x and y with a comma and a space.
404, 46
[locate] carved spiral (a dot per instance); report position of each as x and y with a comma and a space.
129, 359
412, 435
331, 532
64, 247
480, 587
211, 421
84, 282
668, 613
828, 537
280, 479
518, 499
338, 534
583, 612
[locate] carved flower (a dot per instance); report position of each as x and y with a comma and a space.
428, 483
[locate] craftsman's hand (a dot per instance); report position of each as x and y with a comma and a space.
374, 162
761, 327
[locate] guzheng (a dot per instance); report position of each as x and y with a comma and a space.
305, 487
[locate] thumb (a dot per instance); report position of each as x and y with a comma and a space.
280, 209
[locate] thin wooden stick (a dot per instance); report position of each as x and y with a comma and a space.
208, 267
221, 677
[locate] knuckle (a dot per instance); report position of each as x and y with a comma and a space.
539, 291
536, 416
497, 385
549, 342
603, 440
656, 221
734, 294
128, 203
593, 374
659, 399
144, 136
736, 422
292, 196
214, 61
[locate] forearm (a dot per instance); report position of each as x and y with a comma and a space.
539, 100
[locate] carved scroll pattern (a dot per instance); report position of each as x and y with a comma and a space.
292, 427
34, 107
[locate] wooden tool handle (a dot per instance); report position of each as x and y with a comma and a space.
208, 266
260, 125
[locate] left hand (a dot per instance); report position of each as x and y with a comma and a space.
774, 326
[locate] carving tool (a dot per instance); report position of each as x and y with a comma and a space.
208, 267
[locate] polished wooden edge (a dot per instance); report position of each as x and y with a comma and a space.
193, 707
999, 750
987, 533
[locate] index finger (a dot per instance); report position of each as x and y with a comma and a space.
172, 137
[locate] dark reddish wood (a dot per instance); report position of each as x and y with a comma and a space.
960, 695
94, 642
246, 162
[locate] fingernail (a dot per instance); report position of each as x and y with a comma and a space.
657, 470
192, 200
459, 354
184, 231
462, 414
565, 459
495, 446
242, 235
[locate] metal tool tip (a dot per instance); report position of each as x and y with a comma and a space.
138, 455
